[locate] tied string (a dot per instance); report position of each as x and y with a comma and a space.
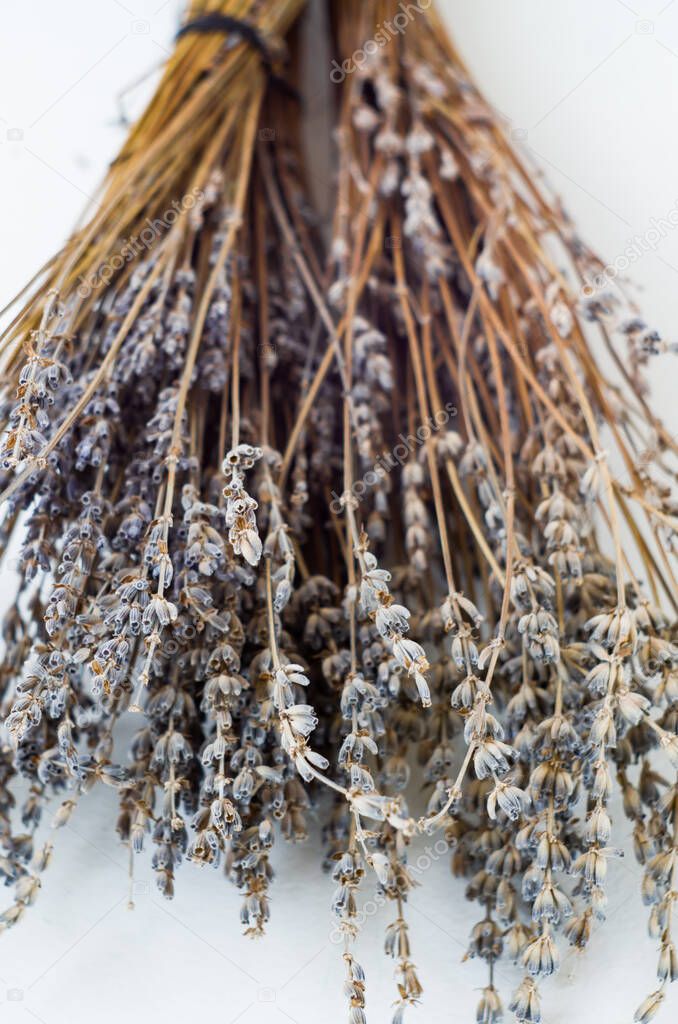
270, 50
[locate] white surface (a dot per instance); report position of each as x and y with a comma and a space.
595, 86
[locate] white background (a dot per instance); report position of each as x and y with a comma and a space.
592, 88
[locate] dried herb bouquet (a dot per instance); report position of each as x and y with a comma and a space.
338, 518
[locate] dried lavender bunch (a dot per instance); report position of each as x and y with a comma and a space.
541, 627
247, 518
127, 468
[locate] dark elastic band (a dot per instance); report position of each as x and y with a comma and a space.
214, 22
249, 33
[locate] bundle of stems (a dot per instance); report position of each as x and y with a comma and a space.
537, 536
334, 523
137, 382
